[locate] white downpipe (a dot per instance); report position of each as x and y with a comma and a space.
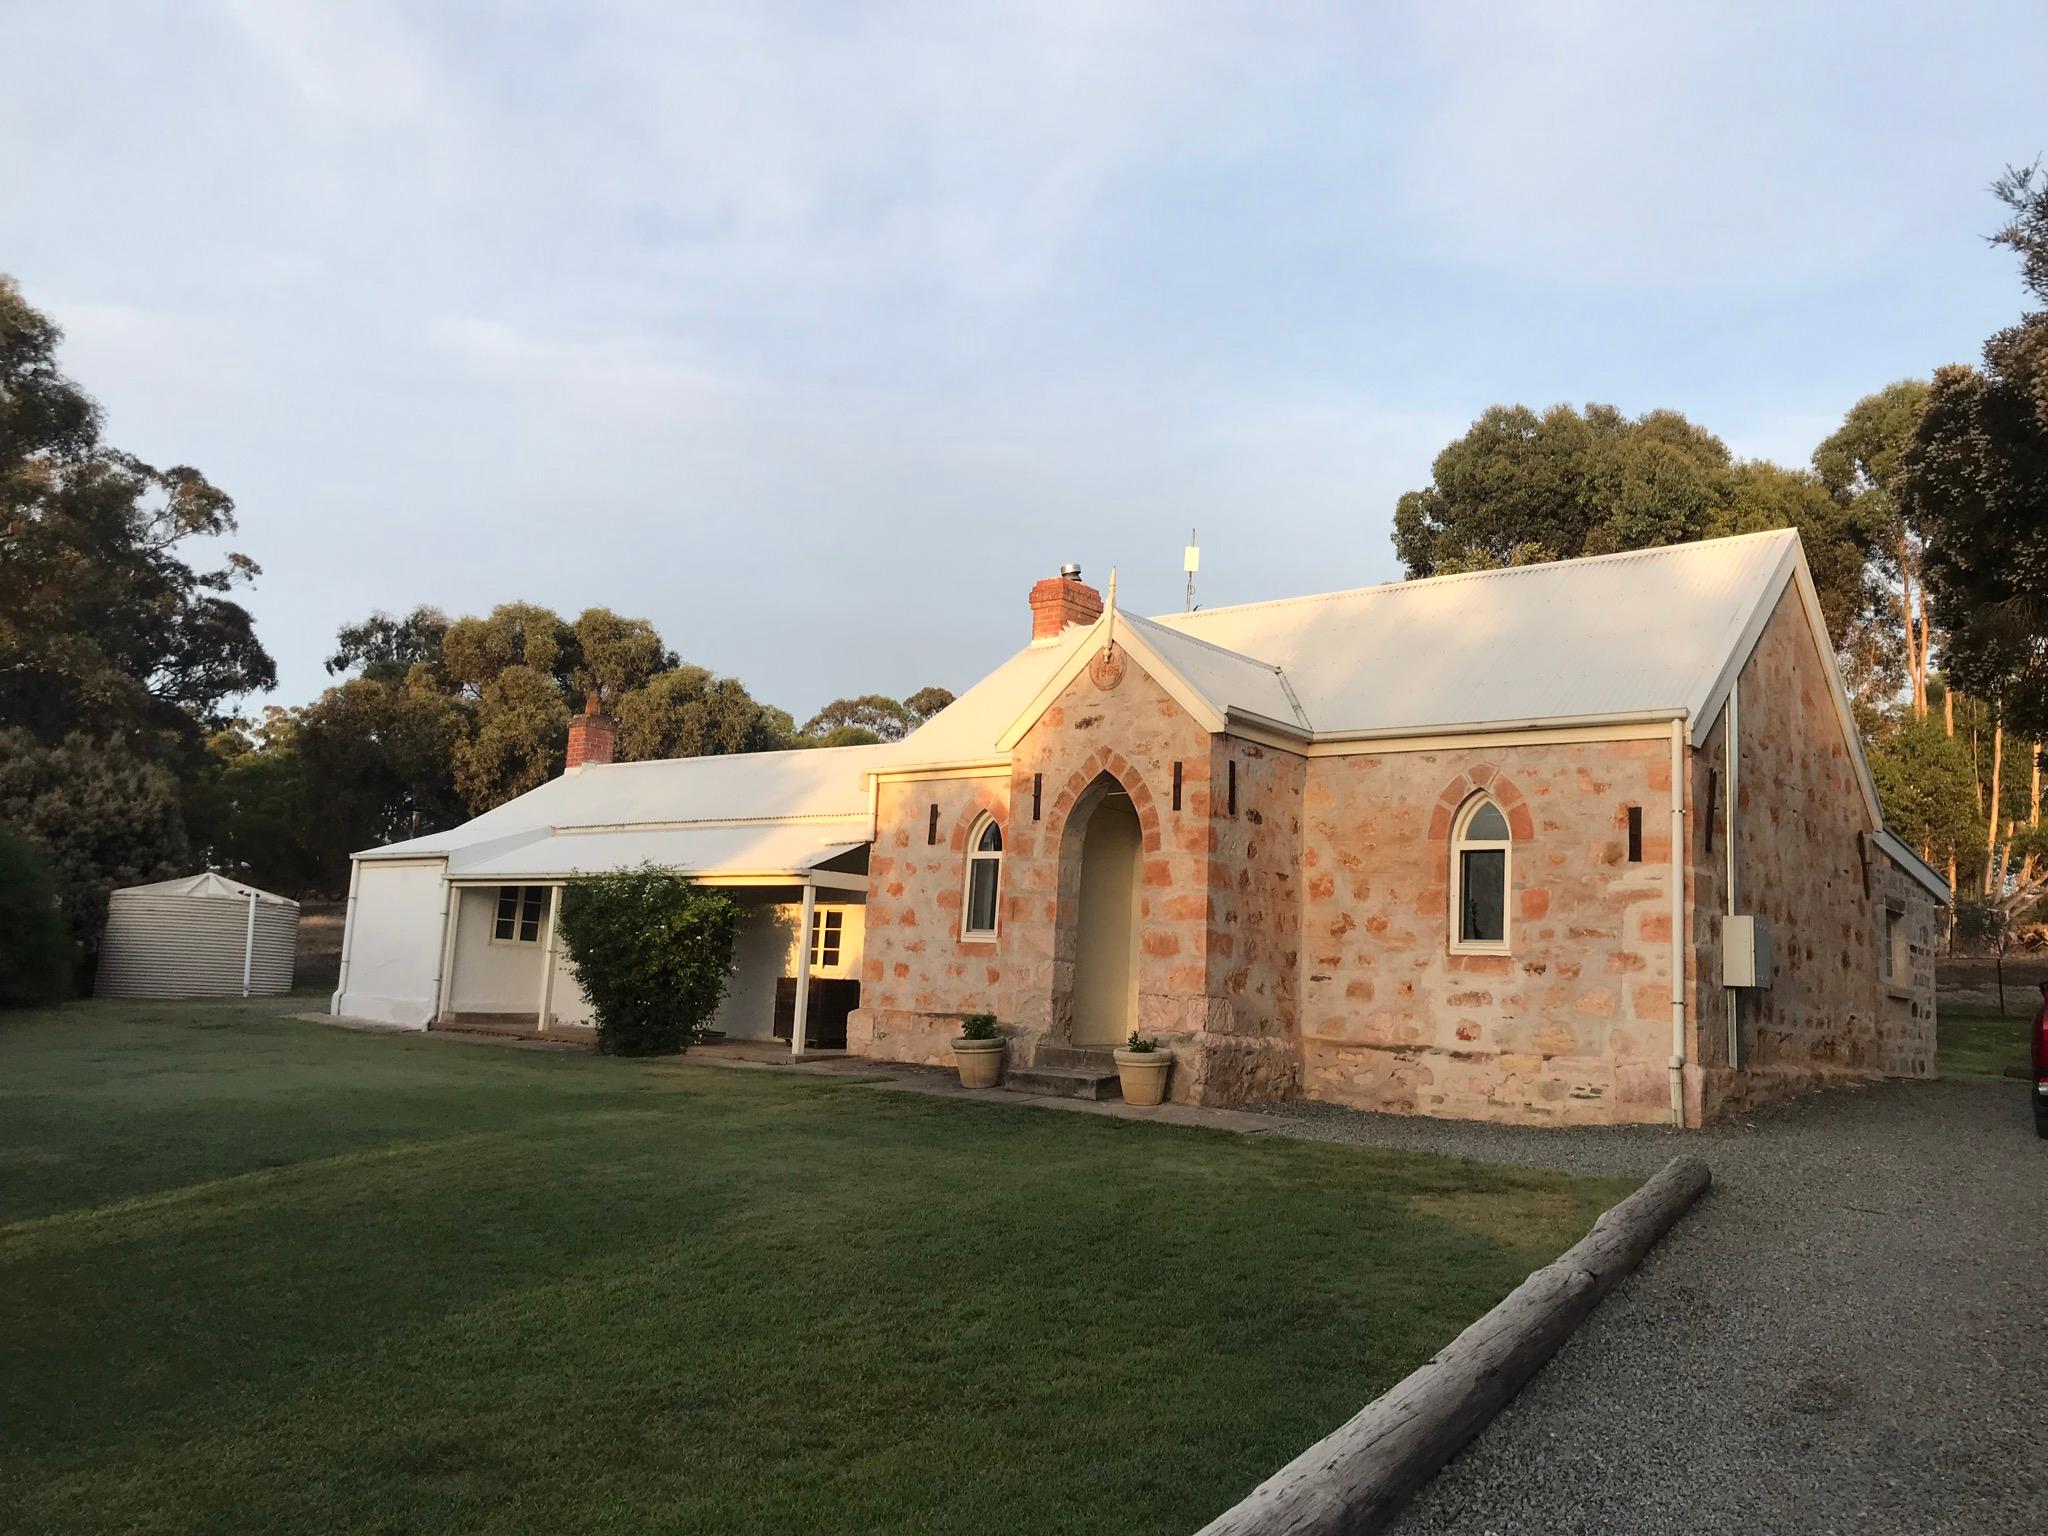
1728, 841
348, 936
1678, 922
249, 946
446, 964
799, 1024
547, 962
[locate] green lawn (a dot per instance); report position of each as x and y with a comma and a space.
1977, 1042
275, 1276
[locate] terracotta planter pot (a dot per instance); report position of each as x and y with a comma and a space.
980, 1062
1142, 1075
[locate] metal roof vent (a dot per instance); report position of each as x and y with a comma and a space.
1070, 571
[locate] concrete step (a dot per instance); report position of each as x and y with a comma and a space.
1076, 1058
1063, 1083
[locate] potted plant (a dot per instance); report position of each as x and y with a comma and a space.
978, 1053
1141, 1069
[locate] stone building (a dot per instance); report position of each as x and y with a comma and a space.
1591, 841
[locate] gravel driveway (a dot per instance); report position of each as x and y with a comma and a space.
1848, 1334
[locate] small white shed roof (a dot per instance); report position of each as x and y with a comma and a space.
209, 883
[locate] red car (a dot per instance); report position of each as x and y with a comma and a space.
2040, 1043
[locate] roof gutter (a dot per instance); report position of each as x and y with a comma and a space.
1494, 727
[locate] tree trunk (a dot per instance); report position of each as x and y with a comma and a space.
1915, 693
1948, 709
1991, 821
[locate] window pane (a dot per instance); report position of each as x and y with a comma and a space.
991, 839
1487, 825
508, 912
529, 917
1482, 889
981, 896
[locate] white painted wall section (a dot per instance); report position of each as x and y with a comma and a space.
394, 943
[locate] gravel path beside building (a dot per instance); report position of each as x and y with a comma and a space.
1848, 1334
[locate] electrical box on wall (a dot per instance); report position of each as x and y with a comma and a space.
1745, 952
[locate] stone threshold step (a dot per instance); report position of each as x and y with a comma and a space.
1063, 1083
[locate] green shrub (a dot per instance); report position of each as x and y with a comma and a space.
1141, 1044
978, 1026
653, 953
36, 954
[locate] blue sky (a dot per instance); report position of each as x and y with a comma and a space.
815, 334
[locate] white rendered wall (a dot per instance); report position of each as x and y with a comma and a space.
393, 944
491, 976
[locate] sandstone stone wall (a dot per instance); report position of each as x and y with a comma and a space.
917, 975
1218, 919
1905, 1010
1803, 864
1573, 1025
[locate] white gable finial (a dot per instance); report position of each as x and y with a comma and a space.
1109, 635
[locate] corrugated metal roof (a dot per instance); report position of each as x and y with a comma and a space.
1624, 635
1620, 634
819, 783
207, 883
756, 849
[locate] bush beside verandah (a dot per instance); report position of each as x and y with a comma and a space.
653, 953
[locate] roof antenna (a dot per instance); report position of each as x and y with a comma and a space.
1191, 562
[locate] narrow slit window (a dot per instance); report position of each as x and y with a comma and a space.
1176, 786
1479, 878
1635, 834
984, 880
1233, 789
931, 831
1037, 793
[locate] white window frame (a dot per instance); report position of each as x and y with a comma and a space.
518, 914
976, 854
828, 923
1461, 844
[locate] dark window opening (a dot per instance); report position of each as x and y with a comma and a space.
1635, 834
1176, 786
931, 833
1483, 895
1037, 791
1233, 789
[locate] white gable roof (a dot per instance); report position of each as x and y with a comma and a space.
759, 813
1644, 634
1616, 635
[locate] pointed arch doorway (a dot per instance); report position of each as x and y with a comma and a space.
1105, 999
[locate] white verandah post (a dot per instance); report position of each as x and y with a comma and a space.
547, 961
800, 1022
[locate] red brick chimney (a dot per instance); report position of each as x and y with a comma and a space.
591, 735
1061, 600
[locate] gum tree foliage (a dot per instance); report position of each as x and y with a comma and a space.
117, 654
385, 648
653, 954
102, 816
101, 617
1520, 487
873, 717
686, 712
36, 952
1975, 480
